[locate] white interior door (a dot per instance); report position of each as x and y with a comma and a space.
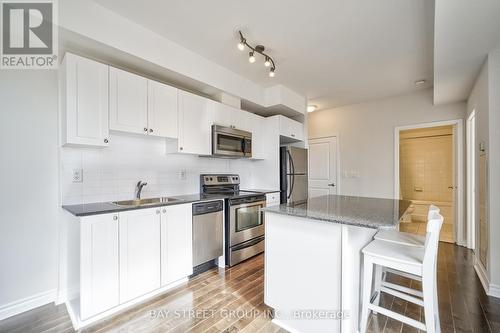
322, 166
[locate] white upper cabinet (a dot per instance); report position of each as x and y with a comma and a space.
176, 243
84, 97
195, 120
259, 144
162, 110
223, 114
291, 129
139, 252
99, 267
128, 102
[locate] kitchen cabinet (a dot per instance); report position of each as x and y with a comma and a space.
139, 252
195, 124
291, 129
84, 100
162, 110
176, 243
128, 102
99, 264
272, 199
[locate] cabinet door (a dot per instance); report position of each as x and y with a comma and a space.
85, 95
162, 110
242, 120
128, 104
99, 260
176, 243
222, 114
258, 140
139, 252
291, 129
195, 120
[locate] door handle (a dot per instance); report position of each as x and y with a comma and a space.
451, 187
332, 184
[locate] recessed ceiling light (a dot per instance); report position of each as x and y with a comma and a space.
420, 82
311, 108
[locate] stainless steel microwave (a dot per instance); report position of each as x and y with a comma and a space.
231, 142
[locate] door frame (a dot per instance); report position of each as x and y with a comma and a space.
458, 152
471, 178
337, 137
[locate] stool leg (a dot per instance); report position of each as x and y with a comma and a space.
377, 284
367, 290
428, 288
436, 308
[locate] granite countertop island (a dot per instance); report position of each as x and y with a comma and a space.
374, 213
313, 259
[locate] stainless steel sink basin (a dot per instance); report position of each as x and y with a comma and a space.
144, 202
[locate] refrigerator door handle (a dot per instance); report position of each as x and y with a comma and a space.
292, 178
292, 166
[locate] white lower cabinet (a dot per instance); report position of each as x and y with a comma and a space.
176, 243
139, 252
272, 199
129, 254
99, 264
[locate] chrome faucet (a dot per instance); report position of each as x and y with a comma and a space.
138, 189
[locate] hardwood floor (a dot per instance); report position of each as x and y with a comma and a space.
463, 305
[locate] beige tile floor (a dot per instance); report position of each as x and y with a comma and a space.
419, 228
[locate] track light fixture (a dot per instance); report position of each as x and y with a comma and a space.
269, 62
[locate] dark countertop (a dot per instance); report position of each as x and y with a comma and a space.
357, 211
108, 207
263, 191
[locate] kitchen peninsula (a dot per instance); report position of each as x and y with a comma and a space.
313, 259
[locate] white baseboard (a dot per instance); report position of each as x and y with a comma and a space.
73, 306
490, 289
284, 326
494, 290
28, 303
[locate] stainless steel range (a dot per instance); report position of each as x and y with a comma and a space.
244, 222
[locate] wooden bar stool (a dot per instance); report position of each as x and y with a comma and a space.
414, 260
405, 238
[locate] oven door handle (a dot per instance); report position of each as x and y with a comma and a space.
246, 244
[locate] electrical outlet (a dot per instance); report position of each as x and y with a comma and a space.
77, 175
182, 174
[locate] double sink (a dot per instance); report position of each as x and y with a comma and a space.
144, 202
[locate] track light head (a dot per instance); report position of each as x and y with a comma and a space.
251, 57
267, 63
272, 73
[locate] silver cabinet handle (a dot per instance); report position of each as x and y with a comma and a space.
293, 135
145, 129
106, 141
332, 184
164, 210
157, 211
115, 217
180, 148
150, 130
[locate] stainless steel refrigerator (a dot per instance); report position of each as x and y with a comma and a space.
293, 175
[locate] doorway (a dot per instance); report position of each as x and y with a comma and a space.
323, 166
428, 171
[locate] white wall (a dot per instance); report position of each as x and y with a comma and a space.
485, 99
366, 137
30, 186
112, 173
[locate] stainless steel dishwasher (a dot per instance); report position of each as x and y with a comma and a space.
208, 228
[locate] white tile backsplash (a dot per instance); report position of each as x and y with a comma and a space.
111, 173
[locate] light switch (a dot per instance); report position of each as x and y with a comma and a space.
77, 175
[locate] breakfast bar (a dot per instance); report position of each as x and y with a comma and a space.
313, 259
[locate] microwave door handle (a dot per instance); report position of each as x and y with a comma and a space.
243, 146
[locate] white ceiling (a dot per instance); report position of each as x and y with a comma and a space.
336, 52
465, 32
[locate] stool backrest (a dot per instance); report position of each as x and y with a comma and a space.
434, 224
432, 208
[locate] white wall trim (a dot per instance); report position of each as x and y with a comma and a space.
471, 180
459, 160
28, 303
489, 288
